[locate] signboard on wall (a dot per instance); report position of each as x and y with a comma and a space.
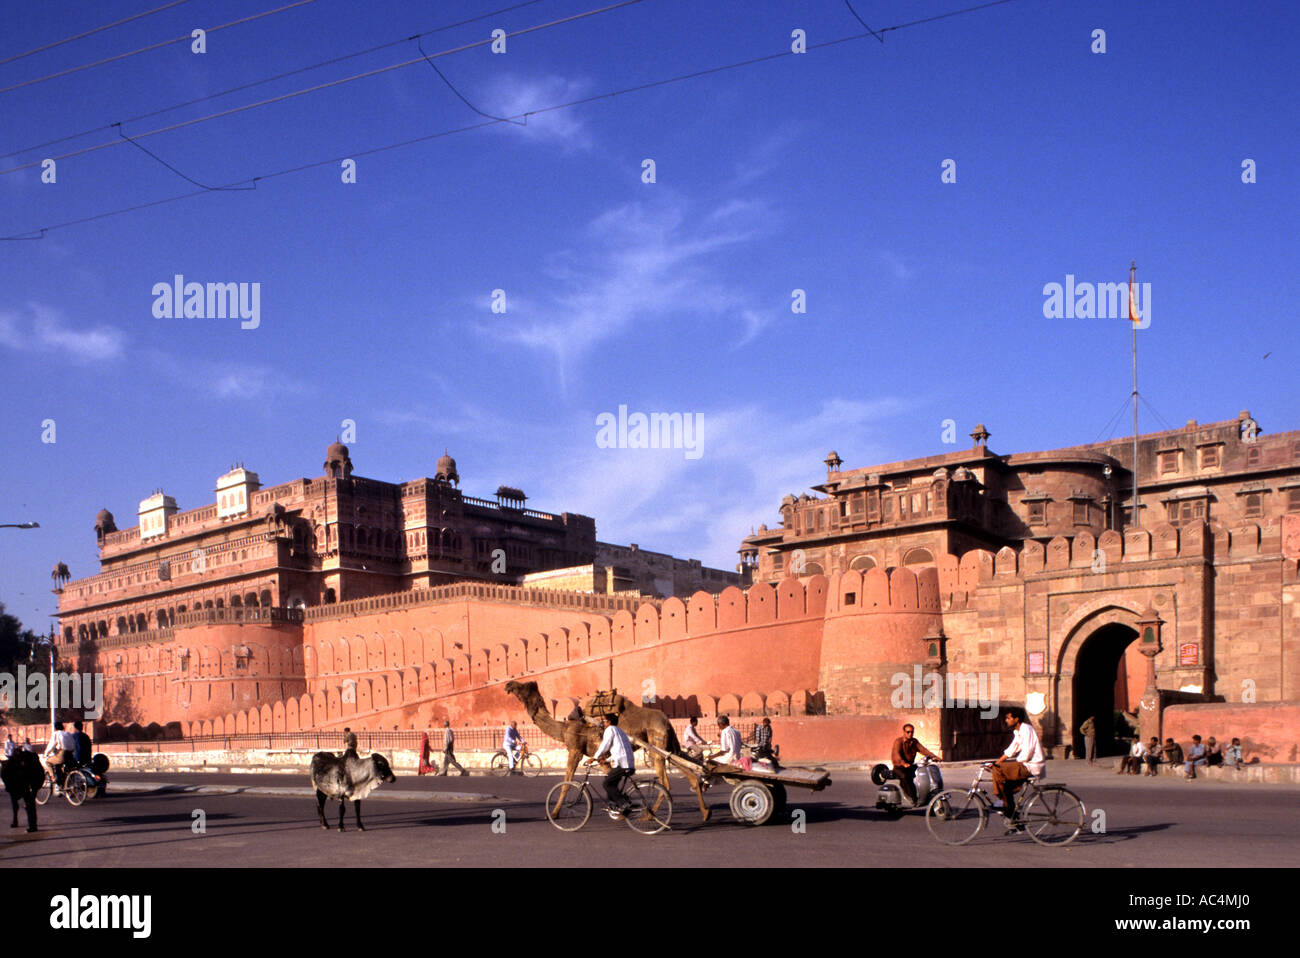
1037, 663
1189, 653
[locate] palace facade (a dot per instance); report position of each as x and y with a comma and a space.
340, 537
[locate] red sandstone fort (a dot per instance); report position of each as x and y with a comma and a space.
343, 600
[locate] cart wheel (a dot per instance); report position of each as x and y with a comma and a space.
45, 791
500, 764
74, 786
752, 803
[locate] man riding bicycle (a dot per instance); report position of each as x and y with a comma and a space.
1023, 758
513, 748
58, 754
618, 747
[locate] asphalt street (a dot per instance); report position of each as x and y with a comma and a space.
269, 820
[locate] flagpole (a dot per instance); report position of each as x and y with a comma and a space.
1132, 272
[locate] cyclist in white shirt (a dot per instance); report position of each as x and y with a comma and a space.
618, 747
1023, 758
57, 753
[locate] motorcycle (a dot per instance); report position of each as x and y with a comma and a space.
890, 798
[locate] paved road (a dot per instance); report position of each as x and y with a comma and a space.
449, 821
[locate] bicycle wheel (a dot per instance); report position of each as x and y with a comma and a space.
955, 817
1054, 816
568, 806
500, 764
75, 787
651, 808
45, 791
532, 765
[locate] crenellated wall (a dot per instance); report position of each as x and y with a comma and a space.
1229, 598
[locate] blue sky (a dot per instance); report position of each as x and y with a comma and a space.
819, 171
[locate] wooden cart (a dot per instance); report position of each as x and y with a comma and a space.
756, 794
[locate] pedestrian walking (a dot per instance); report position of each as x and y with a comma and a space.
449, 749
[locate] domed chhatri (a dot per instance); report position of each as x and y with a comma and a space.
104, 519
446, 470
338, 463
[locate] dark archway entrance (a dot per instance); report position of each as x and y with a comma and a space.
1100, 679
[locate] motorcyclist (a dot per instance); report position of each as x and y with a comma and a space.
904, 758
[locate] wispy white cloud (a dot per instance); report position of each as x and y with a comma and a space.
42, 328
702, 508
640, 261
228, 379
901, 271
769, 153
510, 95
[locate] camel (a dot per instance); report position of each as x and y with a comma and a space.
578, 737
581, 738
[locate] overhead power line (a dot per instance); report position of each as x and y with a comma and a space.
270, 79
878, 36
152, 46
87, 33
40, 232
319, 86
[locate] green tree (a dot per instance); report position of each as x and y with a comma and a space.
20, 646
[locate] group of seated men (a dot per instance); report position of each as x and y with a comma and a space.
1146, 757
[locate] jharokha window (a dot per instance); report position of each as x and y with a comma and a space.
1254, 503
1037, 513
1168, 462
1293, 500
1081, 517
1210, 457
1186, 511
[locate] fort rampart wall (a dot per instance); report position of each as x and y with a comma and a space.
1227, 595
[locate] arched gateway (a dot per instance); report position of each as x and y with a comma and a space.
1100, 675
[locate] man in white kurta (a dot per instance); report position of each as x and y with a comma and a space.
1023, 758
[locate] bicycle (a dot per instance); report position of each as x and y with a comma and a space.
1049, 814
77, 784
528, 764
650, 807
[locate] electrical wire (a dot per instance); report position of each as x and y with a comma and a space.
270, 79
87, 33
878, 36
40, 232
320, 86
152, 46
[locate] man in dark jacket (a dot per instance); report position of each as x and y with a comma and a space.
81, 745
904, 759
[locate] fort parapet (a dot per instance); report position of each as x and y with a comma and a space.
817, 645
